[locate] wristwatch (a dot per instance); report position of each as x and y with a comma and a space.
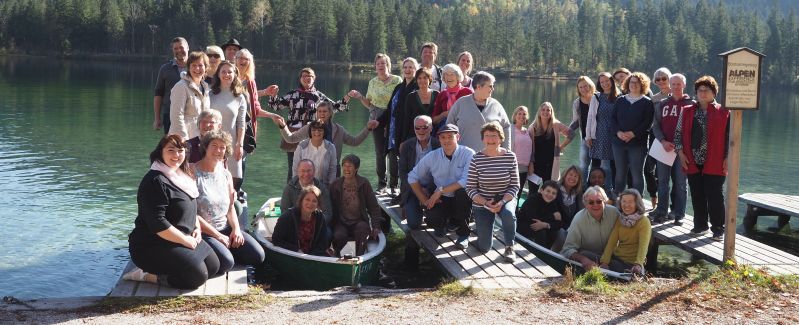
440, 189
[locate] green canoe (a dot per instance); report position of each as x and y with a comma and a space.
316, 272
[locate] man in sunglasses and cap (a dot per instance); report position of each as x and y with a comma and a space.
589, 231
231, 47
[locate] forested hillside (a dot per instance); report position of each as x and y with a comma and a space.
542, 36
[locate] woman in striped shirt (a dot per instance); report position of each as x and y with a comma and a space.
492, 184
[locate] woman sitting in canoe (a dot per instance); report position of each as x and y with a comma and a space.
540, 216
356, 212
219, 221
629, 240
303, 228
165, 244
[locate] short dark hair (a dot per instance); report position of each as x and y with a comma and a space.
424, 71
179, 40
352, 159
175, 140
430, 45
197, 55
317, 124
707, 81
223, 136
552, 184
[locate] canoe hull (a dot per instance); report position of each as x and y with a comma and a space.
560, 263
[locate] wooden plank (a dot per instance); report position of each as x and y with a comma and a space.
520, 271
786, 204
475, 271
216, 286
147, 289
167, 291
426, 241
237, 280
488, 263
527, 262
124, 288
196, 292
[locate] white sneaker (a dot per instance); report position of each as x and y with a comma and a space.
509, 255
136, 274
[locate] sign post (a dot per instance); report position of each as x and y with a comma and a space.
741, 91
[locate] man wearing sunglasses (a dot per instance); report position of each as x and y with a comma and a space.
410, 152
589, 231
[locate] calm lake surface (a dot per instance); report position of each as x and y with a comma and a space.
75, 139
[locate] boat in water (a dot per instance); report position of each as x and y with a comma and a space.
311, 271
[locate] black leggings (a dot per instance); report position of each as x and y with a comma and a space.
176, 265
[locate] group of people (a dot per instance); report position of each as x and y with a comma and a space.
446, 151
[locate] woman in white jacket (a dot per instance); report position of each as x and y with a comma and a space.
189, 97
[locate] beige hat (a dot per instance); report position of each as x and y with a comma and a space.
213, 49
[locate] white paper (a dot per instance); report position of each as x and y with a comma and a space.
658, 152
535, 179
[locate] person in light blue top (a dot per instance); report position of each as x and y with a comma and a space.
448, 167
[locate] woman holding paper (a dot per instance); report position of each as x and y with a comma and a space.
545, 158
667, 113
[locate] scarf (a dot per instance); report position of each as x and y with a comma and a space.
452, 95
629, 220
180, 179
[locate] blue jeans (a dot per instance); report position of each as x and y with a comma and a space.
605, 165
249, 253
413, 212
680, 180
484, 225
585, 160
629, 157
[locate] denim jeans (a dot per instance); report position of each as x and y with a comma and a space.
606, 166
249, 253
484, 225
629, 157
676, 174
413, 212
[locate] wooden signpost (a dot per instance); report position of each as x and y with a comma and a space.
741, 91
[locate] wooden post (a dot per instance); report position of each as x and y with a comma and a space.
733, 168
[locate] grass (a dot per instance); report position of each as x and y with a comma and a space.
146, 305
732, 278
454, 289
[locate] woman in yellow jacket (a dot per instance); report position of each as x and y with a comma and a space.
629, 240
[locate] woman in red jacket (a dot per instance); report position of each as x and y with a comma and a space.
702, 141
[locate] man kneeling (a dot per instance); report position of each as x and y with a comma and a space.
354, 207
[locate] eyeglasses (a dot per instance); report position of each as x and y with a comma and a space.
216, 56
661, 79
419, 128
593, 202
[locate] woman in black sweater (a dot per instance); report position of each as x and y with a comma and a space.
540, 217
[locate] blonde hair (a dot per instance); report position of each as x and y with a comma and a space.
538, 128
249, 73
385, 57
587, 80
526, 114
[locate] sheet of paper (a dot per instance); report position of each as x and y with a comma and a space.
658, 152
535, 179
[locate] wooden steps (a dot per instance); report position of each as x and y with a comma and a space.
474, 268
233, 282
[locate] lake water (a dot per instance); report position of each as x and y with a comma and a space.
75, 139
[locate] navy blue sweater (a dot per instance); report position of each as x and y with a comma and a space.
635, 117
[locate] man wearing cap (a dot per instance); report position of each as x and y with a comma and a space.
231, 47
215, 56
168, 76
448, 167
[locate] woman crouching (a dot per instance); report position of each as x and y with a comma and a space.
629, 240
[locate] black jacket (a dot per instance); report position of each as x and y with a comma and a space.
287, 233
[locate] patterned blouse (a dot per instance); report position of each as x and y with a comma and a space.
379, 92
214, 200
302, 105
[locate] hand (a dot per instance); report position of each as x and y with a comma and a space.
238, 153
197, 234
557, 216
433, 200
588, 264
530, 170
278, 120
724, 166
604, 266
668, 146
236, 238
538, 225
372, 124
630, 135
191, 242
494, 207
157, 124
621, 135
375, 232
637, 269
683, 160
272, 90
589, 142
223, 239
355, 94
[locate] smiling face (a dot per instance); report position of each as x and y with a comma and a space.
594, 204
317, 134
423, 81
230, 51
634, 86
584, 88
173, 156
548, 193
628, 204
226, 74
662, 81
243, 63
482, 92
606, 83
213, 61
307, 79
323, 113
428, 56
596, 178
216, 150
381, 67
208, 124
348, 170
520, 117
197, 69
705, 95
305, 173
465, 63
571, 179
180, 50
545, 112
422, 130
448, 140
491, 139
310, 203
619, 77
677, 86
408, 69
451, 79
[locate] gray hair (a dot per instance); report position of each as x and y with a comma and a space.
306, 160
415, 63
662, 71
595, 190
680, 76
481, 77
424, 118
453, 68
639, 202
210, 112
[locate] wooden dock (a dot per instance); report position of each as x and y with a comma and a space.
747, 251
769, 204
471, 267
233, 282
